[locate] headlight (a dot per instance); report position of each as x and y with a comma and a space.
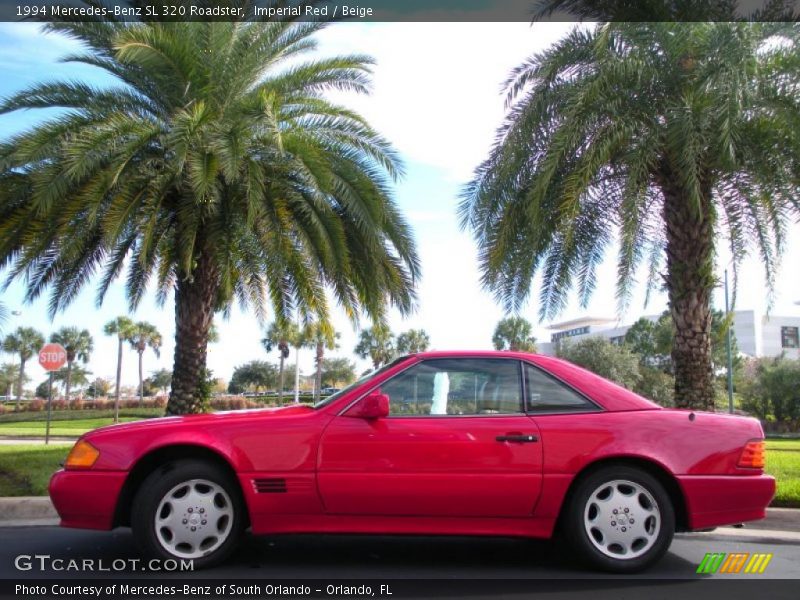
82, 456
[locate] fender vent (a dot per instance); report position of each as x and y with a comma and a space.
269, 486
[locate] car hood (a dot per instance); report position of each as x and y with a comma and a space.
209, 419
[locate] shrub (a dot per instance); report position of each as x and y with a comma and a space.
78, 404
771, 391
37, 405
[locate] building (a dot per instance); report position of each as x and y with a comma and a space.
756, 334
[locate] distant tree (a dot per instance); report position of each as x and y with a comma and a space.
121, 327
9, 378
337, 371
79, 345
24, 342
321, 336
599, 355
653, 341
161, 379
413, 341
773, 389
98, 388
257, 374
377, 344
514, 333
76, 377
43, 389
281, 335
144, 335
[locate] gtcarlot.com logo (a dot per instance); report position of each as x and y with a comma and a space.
736, 563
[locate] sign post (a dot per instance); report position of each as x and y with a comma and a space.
51, 357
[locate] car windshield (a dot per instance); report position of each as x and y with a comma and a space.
355, 384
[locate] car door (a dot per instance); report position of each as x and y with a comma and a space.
456, 443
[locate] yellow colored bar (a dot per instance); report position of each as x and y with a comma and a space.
767, 558
752, 562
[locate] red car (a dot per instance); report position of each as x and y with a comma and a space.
467, 443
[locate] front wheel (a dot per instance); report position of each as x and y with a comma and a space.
620, 519
188, 509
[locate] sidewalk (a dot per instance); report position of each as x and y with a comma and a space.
53, 440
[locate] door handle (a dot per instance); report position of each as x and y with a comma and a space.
522, 438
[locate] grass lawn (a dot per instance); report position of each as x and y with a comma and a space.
72, 428
783, 463
25, 469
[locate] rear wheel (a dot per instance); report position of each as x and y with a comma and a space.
620, 519
188, 509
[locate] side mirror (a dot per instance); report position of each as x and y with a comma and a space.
374, 405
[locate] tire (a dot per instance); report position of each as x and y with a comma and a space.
188, 509
619, 519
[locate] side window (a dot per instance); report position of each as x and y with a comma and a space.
466, 386
546, 394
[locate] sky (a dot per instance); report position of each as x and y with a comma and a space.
437, 97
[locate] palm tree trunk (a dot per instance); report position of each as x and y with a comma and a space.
194, 309
690, 282
19, 382
297, 374
141, 381
68, 383
318, 377
280, 380
119, 380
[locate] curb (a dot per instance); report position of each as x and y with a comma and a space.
27, 511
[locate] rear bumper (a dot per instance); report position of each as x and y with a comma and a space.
86, 499
712, 501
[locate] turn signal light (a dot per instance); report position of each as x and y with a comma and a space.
752, 455
82, 456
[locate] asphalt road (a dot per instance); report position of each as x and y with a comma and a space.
377, 557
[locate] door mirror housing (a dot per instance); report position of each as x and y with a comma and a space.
374, 405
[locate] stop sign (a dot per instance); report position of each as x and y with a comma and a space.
52, 357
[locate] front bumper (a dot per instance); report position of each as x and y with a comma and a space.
86, 499
713, 501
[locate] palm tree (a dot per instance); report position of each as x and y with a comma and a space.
514, 333
321, 336
666, 135
162, 379
144, 335
24, 342
3, 316
413, 341
219, 171
377, 344
281, 334
78, 376
79, 345
9, 376
122, 327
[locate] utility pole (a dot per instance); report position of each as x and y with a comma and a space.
728, 345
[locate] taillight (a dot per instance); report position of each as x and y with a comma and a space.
752, 455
